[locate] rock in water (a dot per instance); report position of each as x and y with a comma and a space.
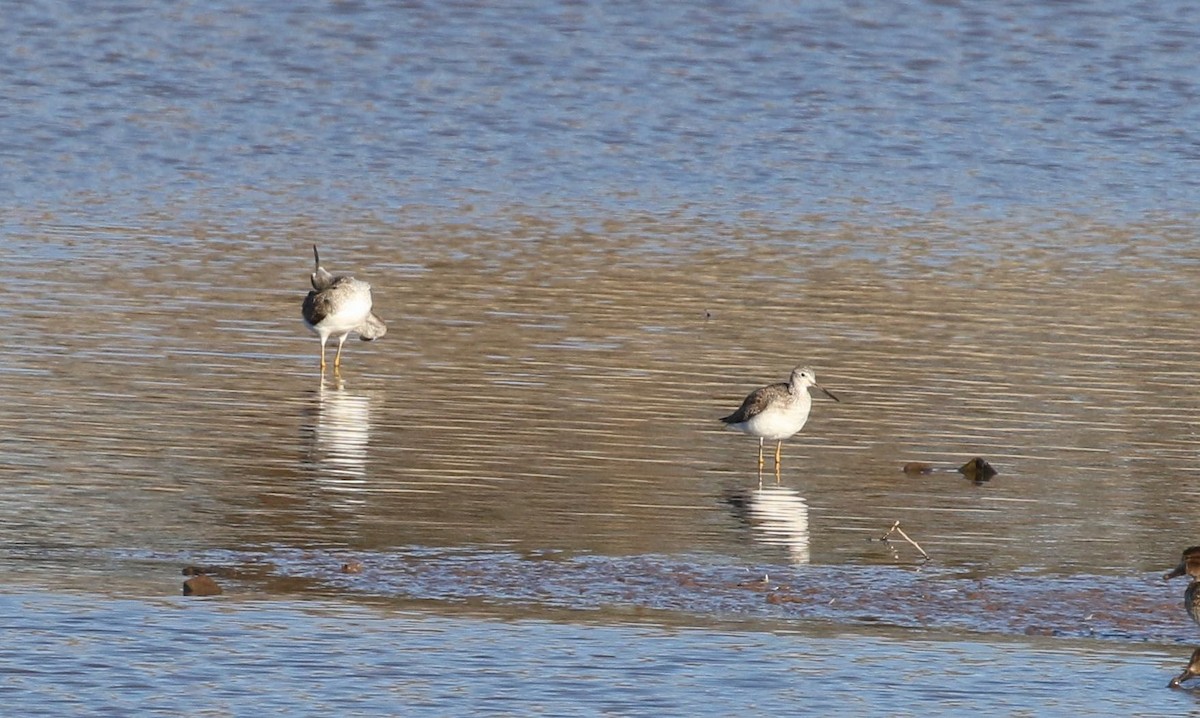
977, 470
201, 585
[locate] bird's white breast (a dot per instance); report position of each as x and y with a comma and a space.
778, 421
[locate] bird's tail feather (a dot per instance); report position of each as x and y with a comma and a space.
372, 328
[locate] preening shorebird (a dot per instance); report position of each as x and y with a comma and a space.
339, 306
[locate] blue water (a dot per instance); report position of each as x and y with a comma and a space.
128, 657
405, 111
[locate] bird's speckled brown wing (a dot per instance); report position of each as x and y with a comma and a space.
316, 307
1191, 597
756, 402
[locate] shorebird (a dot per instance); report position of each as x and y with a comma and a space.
337, 306
1189, 565
776, 412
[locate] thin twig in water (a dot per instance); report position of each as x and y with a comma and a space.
896, 529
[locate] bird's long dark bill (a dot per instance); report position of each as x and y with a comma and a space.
1189, 672
827, 393
316, 256
1178, 680
1177, 571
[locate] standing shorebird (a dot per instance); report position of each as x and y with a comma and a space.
776, 412
1189, 565
338, 306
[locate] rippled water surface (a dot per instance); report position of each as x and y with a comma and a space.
711, 109
212, 657
592, 230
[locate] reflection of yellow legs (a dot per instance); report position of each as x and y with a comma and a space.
778, 458
337, 358
760, 461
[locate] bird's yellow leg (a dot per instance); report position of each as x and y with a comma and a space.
337, 358
778, 455
760, 455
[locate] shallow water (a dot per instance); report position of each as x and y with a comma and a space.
548, 443
207, 657
559, 399
592, 231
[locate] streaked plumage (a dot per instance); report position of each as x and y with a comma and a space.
339, 306
1189, 565
777, 411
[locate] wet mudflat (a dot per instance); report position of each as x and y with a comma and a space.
546, 446
592, 230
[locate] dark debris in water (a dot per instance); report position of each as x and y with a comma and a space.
977, 470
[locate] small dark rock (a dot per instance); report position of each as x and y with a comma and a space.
977, 470
918, 467
201, 585
352, 567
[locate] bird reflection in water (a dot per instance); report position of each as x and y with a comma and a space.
340, 435
778, 516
